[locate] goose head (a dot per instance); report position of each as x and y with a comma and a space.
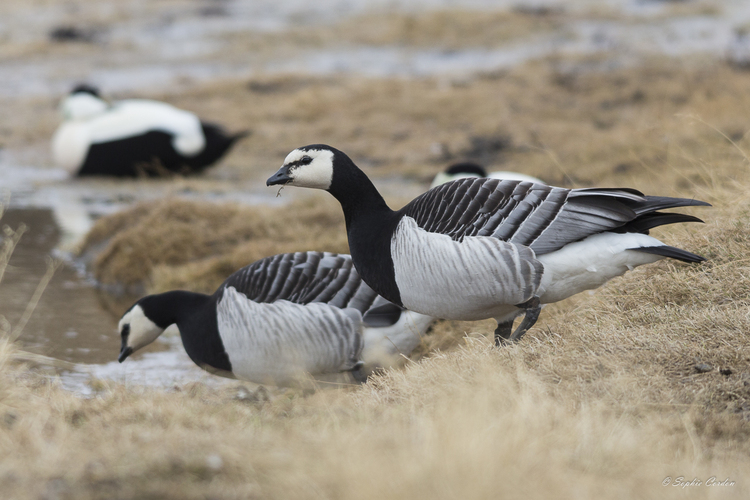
310, 166
136, 329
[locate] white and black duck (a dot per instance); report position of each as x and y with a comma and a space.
466, 169
279, 319
134, 137
485, 248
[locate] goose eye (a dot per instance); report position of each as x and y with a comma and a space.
305, 160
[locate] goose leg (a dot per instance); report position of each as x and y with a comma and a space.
532, 309
503, 332
359, 374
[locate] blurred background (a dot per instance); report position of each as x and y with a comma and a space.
576, 93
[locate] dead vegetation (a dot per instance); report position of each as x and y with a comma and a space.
183, 244
612, 392
610, 395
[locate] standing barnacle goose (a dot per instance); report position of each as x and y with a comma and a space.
485, 248
133, 137
278, 319
466, 169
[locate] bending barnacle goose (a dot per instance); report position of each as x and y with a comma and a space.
133, 137
485, 248
280, 318
466, 169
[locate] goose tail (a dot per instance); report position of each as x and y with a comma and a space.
671, 252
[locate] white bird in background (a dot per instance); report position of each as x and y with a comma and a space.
470, 169
484, 248
133, 137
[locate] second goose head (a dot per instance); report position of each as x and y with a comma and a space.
137, 329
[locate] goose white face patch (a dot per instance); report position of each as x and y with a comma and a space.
143, 331
312, 169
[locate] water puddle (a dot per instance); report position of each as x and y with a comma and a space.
69, 322
77, 202
76, 323
156, 48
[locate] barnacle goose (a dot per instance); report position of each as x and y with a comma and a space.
133, 137
280, 318
487, 248
470, 169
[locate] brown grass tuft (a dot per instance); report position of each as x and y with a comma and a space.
196, 245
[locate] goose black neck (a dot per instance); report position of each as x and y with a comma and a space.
195, 317
369, 226
169, 308
355, 191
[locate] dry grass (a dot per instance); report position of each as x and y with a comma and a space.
660, 128
183, 244
601, 400
562, 121
611, 393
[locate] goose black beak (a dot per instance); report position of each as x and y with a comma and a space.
280, 177
124, 353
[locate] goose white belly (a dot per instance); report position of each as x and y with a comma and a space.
282, 341
589, 263
477, 278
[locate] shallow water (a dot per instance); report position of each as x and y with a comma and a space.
69, 322
76, 323
151, 47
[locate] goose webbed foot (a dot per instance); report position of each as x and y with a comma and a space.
532, 308
359, 374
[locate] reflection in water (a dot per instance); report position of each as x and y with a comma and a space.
76, 323
71, 321
68, 323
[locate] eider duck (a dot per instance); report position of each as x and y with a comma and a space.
279, 319
134, 137
474, 249
470, 169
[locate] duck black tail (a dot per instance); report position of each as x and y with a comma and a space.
218, 143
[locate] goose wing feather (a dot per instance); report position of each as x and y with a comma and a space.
305, 277
542, 217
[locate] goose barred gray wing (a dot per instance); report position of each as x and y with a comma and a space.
542, 217
305, 277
